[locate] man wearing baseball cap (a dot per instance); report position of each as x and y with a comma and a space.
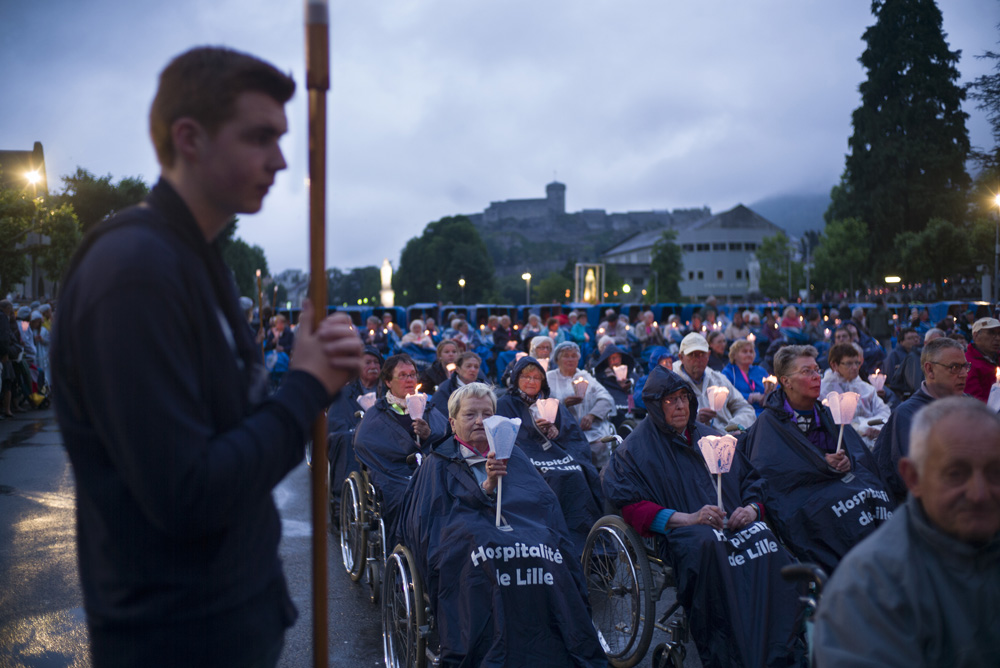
982, 355
693, 368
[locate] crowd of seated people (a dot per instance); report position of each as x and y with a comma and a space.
820, 488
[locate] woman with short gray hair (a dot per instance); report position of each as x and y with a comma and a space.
822, 499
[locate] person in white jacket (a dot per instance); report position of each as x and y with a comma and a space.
593, 411
693, 368
842, 376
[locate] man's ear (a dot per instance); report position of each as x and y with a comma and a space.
911, 477
187, 135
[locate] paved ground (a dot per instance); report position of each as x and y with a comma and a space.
41, 617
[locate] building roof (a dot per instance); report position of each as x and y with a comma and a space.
737, 218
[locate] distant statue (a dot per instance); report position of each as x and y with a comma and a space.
753, 269
590, 287
387, 295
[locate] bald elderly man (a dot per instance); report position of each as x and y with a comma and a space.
923, 589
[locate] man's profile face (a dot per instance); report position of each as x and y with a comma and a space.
940, 374
694, 363
988, 340
911, 340
238, 163
959, 487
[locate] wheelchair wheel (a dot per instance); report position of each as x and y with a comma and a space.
402, 612
620, 584
374, 568
354, 526
627, 427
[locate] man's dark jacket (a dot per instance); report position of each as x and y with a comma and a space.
894, 441
174, 448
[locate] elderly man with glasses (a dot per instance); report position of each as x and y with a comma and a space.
945, 374
982, 355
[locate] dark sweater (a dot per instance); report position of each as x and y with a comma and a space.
174, 447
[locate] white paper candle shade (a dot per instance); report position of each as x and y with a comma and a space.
548, 409
366, 401
415, 404
519, 355
717, 397
842, 406
718, 452
877, 380
580, 386
501, 432
545, 363
621, 372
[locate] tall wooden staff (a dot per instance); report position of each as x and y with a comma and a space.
317, 83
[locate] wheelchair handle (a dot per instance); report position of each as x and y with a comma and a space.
731, 428
876, 422
805, 572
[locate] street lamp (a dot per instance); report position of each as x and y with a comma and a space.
626, 288
527, 287
996, 250
461, 284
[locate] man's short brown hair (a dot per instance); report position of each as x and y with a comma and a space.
203, 84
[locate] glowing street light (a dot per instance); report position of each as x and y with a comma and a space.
461, 284
892, 279
527, 287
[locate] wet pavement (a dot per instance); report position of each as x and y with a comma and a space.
42, 624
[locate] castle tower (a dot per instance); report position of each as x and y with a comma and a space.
555, 194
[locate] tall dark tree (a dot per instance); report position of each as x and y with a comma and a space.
94, 198
431, 264
62, 234
17, 211
843, 255
986, 91
774, 255
668, 264
907, 155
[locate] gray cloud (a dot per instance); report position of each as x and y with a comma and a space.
441, 106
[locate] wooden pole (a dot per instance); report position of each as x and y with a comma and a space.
318, 83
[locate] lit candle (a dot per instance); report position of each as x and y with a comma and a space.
751, 338
826, 333
450, 368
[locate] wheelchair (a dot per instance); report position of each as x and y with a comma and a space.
362, 532
625, 578
408, 636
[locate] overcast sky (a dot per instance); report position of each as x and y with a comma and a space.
442, 106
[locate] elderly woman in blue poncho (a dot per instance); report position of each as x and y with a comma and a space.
726, 560
558, 450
